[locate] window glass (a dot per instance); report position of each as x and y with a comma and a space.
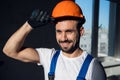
103, 28
86, 6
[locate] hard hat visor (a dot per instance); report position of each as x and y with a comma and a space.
81, 20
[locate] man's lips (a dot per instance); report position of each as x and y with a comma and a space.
67, 41
65, 44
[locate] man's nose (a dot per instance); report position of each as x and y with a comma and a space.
64, 37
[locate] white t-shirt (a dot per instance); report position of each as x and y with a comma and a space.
68, 68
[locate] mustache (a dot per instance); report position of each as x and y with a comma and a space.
66, 41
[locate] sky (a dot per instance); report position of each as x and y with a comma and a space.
86, 6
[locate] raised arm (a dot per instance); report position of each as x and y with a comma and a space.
13, 47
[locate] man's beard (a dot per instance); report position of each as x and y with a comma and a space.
71, 49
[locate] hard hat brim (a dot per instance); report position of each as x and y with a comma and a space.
58, 19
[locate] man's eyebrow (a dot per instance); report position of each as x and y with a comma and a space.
58, 30
69, 30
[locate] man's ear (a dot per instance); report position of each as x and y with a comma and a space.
82, 31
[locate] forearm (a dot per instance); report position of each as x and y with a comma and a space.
15, 42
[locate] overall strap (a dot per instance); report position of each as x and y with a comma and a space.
84, 68
51, 73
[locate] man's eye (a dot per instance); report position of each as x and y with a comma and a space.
69, 31
58, 31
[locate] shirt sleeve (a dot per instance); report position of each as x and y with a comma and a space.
98, 72
45, 55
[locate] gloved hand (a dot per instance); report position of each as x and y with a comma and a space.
39, 18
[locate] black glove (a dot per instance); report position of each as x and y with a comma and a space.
39, 18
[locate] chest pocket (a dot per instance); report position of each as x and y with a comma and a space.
82, 72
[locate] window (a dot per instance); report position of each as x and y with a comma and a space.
86, 7
103, 28
85, 41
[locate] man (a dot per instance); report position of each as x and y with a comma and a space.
69, 63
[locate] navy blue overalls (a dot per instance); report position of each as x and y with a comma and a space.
82, 72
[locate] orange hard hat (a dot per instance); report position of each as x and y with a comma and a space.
67, 8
